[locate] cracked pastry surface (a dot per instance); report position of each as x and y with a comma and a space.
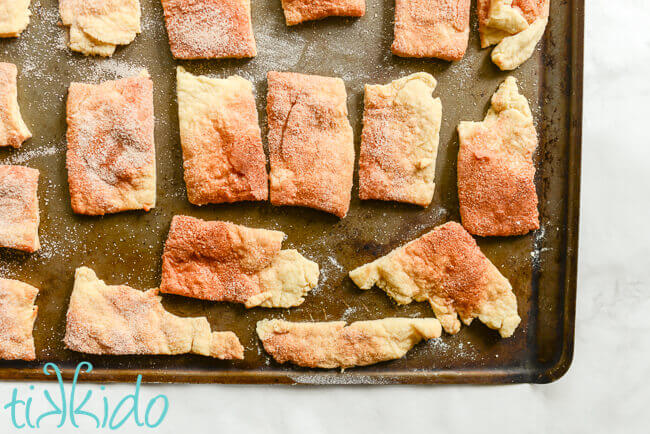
13, 131
209, 29
335, 345
311, 143
496, 172
97, 27
223, 157
119, 320
221, 261
14, 17
299, 11
431, 28
111, 157
19, 217
399, 142
17, 316
446, 268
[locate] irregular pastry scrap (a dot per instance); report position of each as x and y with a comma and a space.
209, 29
111, 156
299, 11
98, 26
222, 261
431, 28
14, 17
399, 143
515, 25
17, 316
105, 319
13, 131
310, 142
223, 156
496, 172
335, 345
446, 268
19, 216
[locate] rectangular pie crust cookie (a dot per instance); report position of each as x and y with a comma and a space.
399, 142
311, 144
299, 11
446, 268
19, 218
496, 172
209, 29
17, 316
222, 261
431, 28
223, 156
13, 131
334, 345
14, 17
111, 156
119, 320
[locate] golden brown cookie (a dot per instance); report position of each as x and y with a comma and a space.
13, 131
17, 316
19, 218
14, 17
299, 11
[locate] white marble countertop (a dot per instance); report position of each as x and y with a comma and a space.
607, 388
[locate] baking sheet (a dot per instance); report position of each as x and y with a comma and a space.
126, 248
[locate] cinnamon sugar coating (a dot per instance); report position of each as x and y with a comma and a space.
299, 11
17, 316
13, 131
19, 216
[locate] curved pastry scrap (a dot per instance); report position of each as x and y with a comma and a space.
17, 316
431, 28
120, 320
221, 261
13, 131
299, 11
223, 156
14, 17
98, 26
399, 143
19, 218
515, 25
209, 29
310, 142
111, 156
496, 172
446, 268
335, 345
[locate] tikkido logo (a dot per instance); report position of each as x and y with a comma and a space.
83, 409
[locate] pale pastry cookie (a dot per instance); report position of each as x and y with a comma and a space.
19, 218
399, 142
431, 28
119, 320
223, 156
299, 11
17, 316
209, 29
221, 261
13, 131
311, 144
496, 172
516, 26
97, 27
335, 345
14, 17
111, 157
446, 268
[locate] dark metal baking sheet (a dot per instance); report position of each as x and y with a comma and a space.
126, 248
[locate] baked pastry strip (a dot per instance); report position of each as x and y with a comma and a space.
17, 316
431, 28
496, 172
299, 11
399, 142
335, 345
209, 29
119, 320
311, 143
446, 268
19, 216
111, 157
221, 261
13, 131
14, 17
